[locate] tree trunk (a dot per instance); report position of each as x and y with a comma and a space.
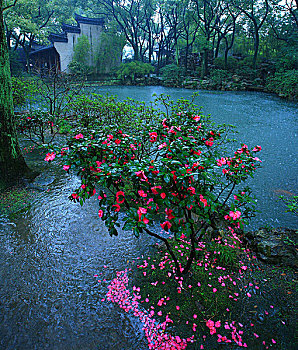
12, 163
256, 47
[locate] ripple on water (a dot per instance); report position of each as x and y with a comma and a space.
48, 295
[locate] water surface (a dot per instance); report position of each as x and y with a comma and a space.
50, 251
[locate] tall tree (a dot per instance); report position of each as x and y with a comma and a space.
256, 12
207, 17
12, 163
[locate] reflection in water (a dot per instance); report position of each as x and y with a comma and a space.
49, 298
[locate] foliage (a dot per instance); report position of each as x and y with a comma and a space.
161, 166
219, 75
219, 63
133, 70
36, 126
24, 90
291, 204
80, 62
50, 95
16, 67
109, 51
172, 74
285, 84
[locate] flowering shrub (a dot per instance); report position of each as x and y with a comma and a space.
168, 170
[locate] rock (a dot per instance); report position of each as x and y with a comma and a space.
276, 246
236, 78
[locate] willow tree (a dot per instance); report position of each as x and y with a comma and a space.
12, 163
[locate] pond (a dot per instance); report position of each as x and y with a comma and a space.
261, 119
51, 249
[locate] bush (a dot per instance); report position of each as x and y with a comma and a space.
133, 70
23, 90
165, 167
219, 75
285, 84
286, 63
219, 63
173, 74
16, 66
248, 61
79, 64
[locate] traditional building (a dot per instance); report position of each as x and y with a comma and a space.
60, 53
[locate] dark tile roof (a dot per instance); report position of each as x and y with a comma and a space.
61, 38
71, 29
44, 48
87, 20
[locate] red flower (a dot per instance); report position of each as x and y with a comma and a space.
153, 136
117, 141
118, 194
100, 213
209, 142
117, 207
163, 195
169, 214
164, 224
153, 189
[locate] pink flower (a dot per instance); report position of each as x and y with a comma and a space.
141, 175
100, 213
63, 151
192, 190
164, 123
221, 161
163, 195
203, 200
235, 215
196, 118
217, 324
212, 330
79, 136
162, 145
66, 167
257, 149
210, 324
142, 211
142, 193
50, 156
